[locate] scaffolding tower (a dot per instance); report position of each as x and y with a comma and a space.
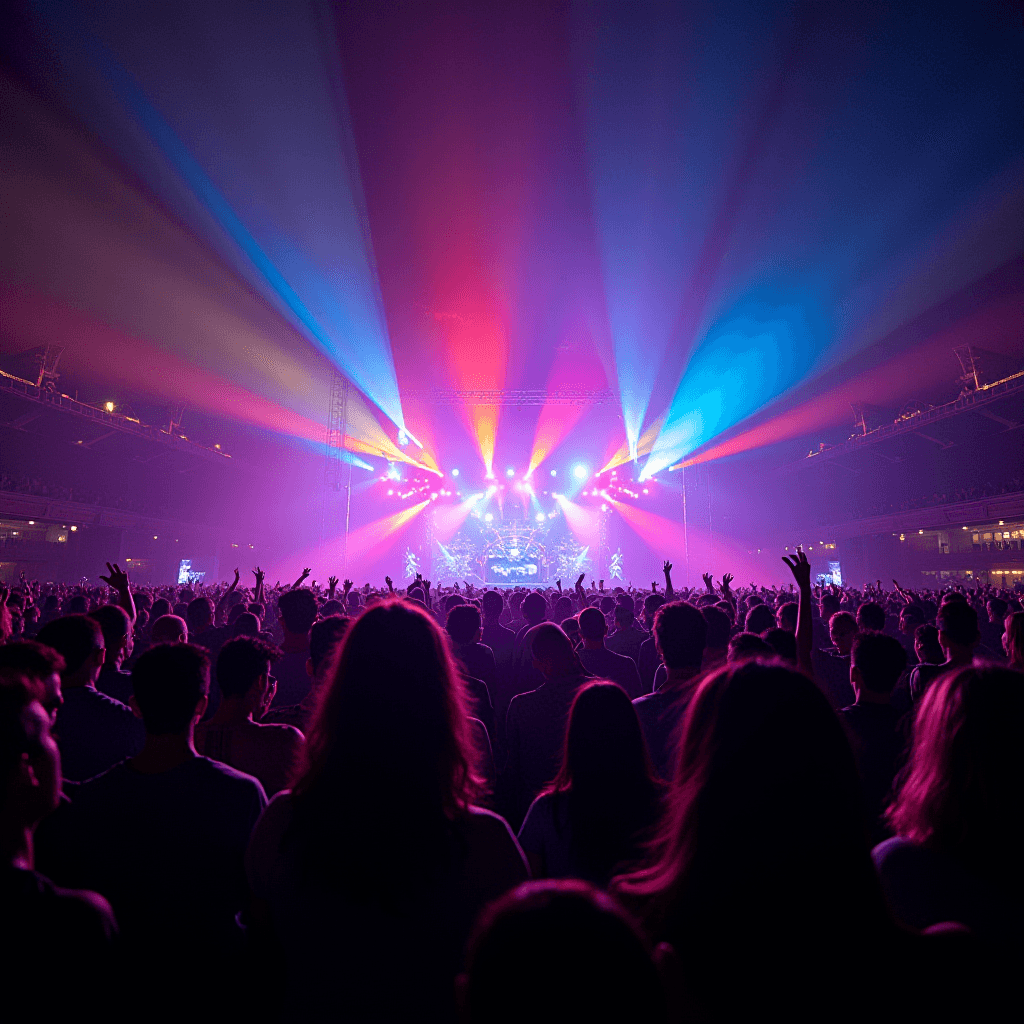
337, 503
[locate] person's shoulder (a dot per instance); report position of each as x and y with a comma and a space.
282, 733
486, 825
649, 700
897, 853
225, 775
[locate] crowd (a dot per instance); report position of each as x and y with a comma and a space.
865, 508
334, 802
83, 495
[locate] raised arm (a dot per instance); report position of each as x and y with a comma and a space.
258, 596
301, 579
222, 605
118, 581
669, 590
800, 567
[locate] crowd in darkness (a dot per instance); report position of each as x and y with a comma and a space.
311, 803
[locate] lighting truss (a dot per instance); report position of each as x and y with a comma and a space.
517, 397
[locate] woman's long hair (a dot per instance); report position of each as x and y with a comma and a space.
388, 764
763, 854
964, 776
606, 777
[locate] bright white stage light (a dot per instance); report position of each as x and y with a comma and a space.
554, 472
579, 471
403, 438
510, 473
540, 517
489, 518
455, 472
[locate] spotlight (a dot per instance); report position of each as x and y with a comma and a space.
109, 406
455, 472
646, 491
489, 518
73, 528
510, 473
554, 472
539, 517
579, 471
403, 438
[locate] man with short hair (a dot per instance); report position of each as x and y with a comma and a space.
117, 639
535, 729
266, 751
786, 616
36, 913
94, 731
297, 611
832, 666
162, 835
648, 661
628, 636
601, 662
957, 623
169, 629
535, 611
39, 664
681, 634
871, 616
872, 723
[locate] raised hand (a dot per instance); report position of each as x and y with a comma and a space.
259, 574
582, 577
390, 585
800, 567
426, 585
726, 580
667, 567
348, 585
117, 579
332, 583
709, 582
558, 583
654, 586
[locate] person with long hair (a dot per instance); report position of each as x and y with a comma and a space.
598, 812
1013, 640
379, 846
955, 855
761, 876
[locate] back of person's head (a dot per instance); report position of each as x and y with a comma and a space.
871, 615
607, 604
592, 624
451, 601
842, 624
298, 610
878, 661
680, 634
746, 646
759, 619
78, 605
115, 624
652, 602
782, 643
558, 951
388, 753
561, 609
786, 616
463, 623
416, 594
719, 627
603, 740
324, 639
911, 615
926, 641
199, 615
169, 629
552, 650
74, 638
168, 682
571, 628
957, 623
181, 610
534, 608
963, 777
161, 606
828, 606
761, 753
241, 662
235, 611
246, 625
31, 659
996, 608
492, 605
624, 615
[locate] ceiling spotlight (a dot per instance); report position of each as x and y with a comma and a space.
455, 472
109, 406
539, 517
510, 473
403, 438
489, 518
73, 528
579, 471
554, 472
646, 491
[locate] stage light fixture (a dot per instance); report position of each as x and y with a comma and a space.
554, 472
109, 406
455, 472
540, 517
510, 473
403, 438
579, 471
489, 518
